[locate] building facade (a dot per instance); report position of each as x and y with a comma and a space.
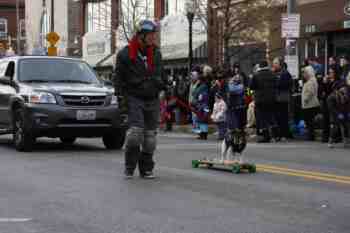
66, 24
325, 28
9, 25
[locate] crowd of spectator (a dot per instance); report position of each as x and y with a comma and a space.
268, 100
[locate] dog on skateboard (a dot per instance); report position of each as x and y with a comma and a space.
233, 145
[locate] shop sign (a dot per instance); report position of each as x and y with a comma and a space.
96, 46
290, 25
293, 65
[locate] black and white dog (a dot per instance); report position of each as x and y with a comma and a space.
233, 145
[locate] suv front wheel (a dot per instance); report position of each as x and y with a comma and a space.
22, 138
115, 140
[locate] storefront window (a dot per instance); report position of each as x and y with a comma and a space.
321, 50
311, 49
3, 28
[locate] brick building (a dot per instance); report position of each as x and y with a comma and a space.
325, 29
8, 24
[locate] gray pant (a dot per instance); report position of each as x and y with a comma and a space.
143, 120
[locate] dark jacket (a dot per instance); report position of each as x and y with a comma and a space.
284, 86
135, 79
201, 101
264, 85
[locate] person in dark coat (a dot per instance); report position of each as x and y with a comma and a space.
284, 89
139, 72
217, 87
338, 106
264, 86
326, 88
344, 67
236, 70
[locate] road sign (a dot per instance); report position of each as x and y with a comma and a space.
52, 51
290, 25
293, 65
52, 38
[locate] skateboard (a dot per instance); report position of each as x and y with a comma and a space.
234, 166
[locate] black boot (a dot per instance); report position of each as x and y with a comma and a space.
275, 133
265, 136
146, 165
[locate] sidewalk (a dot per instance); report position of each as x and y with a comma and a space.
187, 130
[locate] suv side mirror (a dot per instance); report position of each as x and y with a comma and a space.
108, 83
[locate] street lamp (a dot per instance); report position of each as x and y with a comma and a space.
221, 16
190, 12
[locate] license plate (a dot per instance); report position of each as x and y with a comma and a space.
84, 115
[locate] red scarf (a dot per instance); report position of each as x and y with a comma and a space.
134, 47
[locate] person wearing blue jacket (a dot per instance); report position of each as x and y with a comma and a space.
235, 114
201, 103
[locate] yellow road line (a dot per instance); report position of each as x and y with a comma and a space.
296, 174
326, 175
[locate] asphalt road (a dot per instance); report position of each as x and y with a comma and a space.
81, 189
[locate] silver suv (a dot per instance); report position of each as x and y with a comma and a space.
56, 97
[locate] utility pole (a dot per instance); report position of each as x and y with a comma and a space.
291, 7
52, 37
18, 29
292, 53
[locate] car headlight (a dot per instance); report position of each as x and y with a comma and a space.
41, 98
114, 100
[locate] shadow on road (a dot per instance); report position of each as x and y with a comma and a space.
44, 145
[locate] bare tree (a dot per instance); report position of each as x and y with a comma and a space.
131, 12
241, 20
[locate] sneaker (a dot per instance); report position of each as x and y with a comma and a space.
330, 145
284, 139
128, 175
147, 175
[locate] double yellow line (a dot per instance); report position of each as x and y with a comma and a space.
304, 174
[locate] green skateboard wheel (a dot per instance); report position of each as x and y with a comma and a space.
252, 168
236, 169
195, 163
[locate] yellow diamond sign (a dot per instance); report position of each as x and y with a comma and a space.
52, 38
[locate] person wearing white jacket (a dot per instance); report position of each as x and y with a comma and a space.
218, 115
309, 98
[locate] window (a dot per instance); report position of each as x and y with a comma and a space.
99, 16
311, 28
3, 28
53, 70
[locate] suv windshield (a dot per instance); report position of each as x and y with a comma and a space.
56, 70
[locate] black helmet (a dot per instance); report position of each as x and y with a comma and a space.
146, 26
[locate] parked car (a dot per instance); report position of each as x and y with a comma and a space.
56, 97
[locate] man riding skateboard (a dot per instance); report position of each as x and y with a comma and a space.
138, 72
